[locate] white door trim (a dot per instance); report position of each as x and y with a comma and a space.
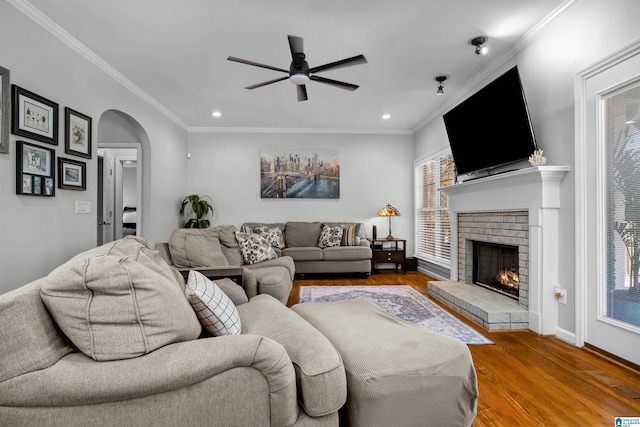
581, 98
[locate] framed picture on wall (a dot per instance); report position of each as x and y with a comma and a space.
5, 105
34, 169
77, 137
299, 174
72, 174
34, 117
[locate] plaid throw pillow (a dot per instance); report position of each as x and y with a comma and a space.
216, 312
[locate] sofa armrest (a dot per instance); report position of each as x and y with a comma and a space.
365, 242
252, 362
320, 374
284, 261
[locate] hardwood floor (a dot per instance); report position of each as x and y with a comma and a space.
526, 379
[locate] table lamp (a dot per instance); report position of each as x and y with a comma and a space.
389, 211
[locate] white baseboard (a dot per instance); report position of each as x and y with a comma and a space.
566, 336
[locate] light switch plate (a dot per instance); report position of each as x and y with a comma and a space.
83, 207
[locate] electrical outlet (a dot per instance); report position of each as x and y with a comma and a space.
563, 297
561, 294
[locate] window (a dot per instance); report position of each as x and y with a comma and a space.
623, 206
433, 232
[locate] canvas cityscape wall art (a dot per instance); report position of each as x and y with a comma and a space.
299, 174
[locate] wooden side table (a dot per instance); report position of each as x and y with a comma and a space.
392, 251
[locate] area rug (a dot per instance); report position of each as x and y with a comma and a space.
401, 301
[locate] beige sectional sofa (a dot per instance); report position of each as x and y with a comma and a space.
301, 242
109, 339
217, 247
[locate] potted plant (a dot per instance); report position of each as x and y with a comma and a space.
200, 206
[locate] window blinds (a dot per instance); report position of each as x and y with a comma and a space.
432, 216
622, 222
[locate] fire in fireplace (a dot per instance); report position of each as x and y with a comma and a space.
495, 267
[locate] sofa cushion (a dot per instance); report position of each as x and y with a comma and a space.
193, 248
274, 235
30, 339
119, 307
330, 236
319, 371
254, 248
230, 247
304, 254
302, 234
346, 253
216, 311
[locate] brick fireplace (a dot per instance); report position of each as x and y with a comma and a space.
518, 208
509, 228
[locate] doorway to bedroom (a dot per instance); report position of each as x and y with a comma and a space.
118, 202
120, 176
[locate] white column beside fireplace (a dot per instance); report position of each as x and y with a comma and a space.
537, 190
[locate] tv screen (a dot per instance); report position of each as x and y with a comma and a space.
492, 127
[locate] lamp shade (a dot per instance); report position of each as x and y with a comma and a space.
388, 211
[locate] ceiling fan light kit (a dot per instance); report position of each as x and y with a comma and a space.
299, 71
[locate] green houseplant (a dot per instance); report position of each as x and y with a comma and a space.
199, 206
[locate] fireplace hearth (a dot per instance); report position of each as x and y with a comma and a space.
495, 266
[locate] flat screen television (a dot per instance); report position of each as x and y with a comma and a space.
492, 127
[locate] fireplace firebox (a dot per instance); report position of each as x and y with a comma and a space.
495, 267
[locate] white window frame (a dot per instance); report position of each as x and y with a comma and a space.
443, 260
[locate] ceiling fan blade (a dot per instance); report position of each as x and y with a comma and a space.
341, 85
255, 64
354, 60
266, 83
296, 45
302, 93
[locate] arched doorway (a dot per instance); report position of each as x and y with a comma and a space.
123, 171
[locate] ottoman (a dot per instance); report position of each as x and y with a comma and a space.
397, 374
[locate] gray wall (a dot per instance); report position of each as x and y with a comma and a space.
39, 233
374, 170
592, 30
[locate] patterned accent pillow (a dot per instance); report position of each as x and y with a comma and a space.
217, 313
350, 235
273, 235
254, 248
330, 236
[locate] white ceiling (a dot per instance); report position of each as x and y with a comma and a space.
175, 52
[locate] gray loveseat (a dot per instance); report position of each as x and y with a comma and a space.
301, 242
109, 339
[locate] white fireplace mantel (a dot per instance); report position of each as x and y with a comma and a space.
537, 190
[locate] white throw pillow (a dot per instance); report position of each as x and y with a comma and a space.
217, 313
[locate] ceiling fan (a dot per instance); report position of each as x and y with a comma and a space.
299, 71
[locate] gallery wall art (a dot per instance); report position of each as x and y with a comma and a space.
301, 174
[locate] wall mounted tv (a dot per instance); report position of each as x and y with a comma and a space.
492, 127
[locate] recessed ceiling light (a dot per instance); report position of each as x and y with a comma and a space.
386, 116
216, 114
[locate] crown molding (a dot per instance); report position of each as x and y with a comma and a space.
300, 130
41, 19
